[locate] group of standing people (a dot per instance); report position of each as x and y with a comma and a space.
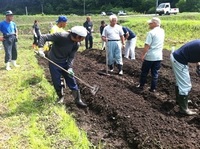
65, 45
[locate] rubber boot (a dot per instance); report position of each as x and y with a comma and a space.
120, 69
183, 103
60, 99
77, 97
14, 63
177, 94
8, 66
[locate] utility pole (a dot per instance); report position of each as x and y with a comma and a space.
42, 8
84, 7
156, 3
26, 10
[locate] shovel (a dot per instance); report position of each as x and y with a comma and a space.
94, 89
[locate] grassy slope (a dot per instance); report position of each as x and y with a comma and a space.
29, 117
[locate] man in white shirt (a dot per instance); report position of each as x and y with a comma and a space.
112, 35
152, 54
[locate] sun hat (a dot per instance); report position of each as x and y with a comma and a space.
154, 20
79, 30
62, 19
9, 12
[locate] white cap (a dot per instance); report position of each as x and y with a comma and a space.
154, 20
79, 30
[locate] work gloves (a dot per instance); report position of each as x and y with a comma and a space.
198, 70
41, 52
70, 72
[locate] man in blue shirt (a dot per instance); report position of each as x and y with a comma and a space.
89, 38
130, 38
188, 53
9, 30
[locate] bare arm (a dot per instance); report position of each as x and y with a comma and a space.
146, 48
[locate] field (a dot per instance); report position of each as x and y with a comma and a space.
119, 116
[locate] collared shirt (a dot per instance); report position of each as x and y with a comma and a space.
155, 39
188, 53
89, 26
8, 28
113, 33
63, 48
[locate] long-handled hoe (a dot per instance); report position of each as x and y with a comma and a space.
94, 89
106, 49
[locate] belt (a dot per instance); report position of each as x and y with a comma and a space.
8, 35
113, 40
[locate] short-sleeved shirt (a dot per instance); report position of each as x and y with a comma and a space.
8, 27
101, 29
155, 39
113, 33
56, 29
88, 25
37, 29
130, 32
188, 53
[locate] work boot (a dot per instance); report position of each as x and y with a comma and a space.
111, 68
61, 98
183, 103
77, 97
14, 63
8, 66
177, 94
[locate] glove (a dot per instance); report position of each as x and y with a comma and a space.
70, 72
198, 70
41, 52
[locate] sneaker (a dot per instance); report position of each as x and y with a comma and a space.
111, 70
140, 87
8, 68
121, 72
152, 90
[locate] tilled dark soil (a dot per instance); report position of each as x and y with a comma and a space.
120, 116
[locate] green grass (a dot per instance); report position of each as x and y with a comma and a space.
30, 119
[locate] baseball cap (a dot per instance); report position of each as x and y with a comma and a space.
9, 12
62, 19
79, 30
154, 20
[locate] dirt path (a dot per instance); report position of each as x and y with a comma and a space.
122, 117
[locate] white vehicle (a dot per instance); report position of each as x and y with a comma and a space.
103, 13
121, 13
165, 8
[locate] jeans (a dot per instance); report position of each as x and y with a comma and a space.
154, 66
89, 39
56, 74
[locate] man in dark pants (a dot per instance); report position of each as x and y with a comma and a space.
9, 30
152, 53
64, 47
188, 53
89, 38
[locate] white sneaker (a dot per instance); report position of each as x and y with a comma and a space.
121, 72
111, 70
